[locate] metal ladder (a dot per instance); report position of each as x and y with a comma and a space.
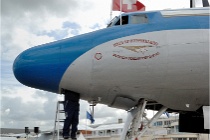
56, 130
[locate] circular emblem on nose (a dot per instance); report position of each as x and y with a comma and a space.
98, 56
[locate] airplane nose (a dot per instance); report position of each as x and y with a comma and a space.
38, 67
43, 66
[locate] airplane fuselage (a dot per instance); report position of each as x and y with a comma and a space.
161, 56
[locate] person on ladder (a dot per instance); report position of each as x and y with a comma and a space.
71, 108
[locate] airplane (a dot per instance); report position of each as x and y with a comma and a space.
157, 60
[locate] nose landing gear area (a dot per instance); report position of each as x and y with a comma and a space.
133, 127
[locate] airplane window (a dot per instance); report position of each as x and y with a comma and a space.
116, 21
137, 19
113, 21
124, 20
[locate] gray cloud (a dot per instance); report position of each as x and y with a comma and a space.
30, 15
11, 8
95, 26
26, 113
56, 34
72, 25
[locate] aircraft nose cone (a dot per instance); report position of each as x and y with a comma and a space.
20, 66
43, 66
38, 68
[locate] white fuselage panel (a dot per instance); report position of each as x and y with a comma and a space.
170, 67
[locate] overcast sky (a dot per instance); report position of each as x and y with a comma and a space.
27, 23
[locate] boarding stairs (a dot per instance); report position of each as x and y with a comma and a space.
58, 120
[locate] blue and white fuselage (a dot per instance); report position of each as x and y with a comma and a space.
161, 56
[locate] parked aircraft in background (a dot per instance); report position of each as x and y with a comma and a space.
156, 60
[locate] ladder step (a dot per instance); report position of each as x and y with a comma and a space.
61, 102
61, 130
58, 111
61, 120
61, 111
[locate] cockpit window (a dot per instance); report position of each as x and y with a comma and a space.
116, 21
113, 21
137, 19
124, 20
134, 19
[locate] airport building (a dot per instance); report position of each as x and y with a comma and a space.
163, 129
